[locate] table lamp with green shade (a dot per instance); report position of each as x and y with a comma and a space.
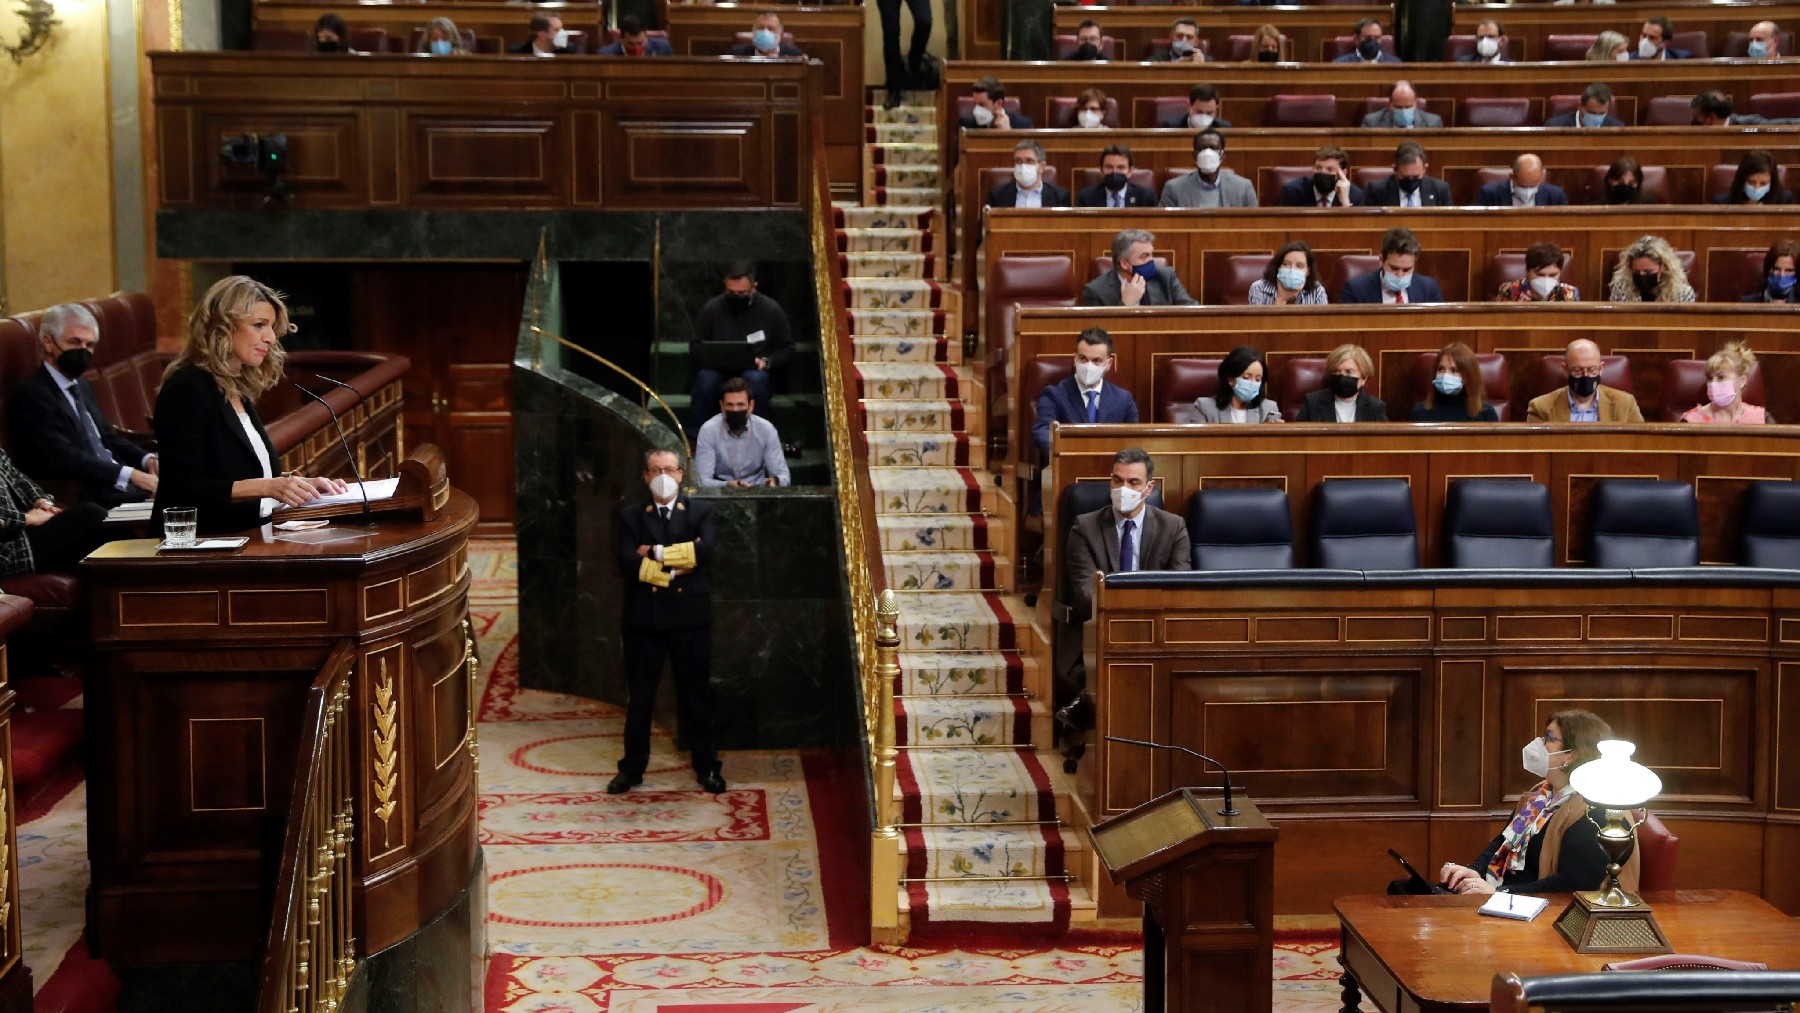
1610, 919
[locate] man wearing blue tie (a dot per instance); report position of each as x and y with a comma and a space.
1085, 396
1127, 534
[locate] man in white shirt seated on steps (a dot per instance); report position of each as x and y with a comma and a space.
737, 449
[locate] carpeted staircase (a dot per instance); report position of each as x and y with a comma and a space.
983, 851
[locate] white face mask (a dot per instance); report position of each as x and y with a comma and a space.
663, 487
1525, 194
1622, 55
1536, 757
1646, 48
1026, 174
1089, 373
984, 116
1089, 118
561, 39
1207, 160
1542, 286
1487, 48
1199, 121
1126, 500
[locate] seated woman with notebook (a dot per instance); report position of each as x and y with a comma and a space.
1549, 845
216, 456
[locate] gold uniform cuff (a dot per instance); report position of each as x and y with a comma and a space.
651, 572
679, 557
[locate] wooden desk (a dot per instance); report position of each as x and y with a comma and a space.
1430, 954
203, 661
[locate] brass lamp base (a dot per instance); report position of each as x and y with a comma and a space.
1593, 925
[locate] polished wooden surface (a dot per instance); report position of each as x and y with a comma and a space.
203, 661
487, 132
1436, 953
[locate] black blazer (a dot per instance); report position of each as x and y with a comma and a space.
53, 445
1318, 407
204, 450
687, 602
1433, 193
1298, 193
781, 49
1006, 195
524, 49
1136, 196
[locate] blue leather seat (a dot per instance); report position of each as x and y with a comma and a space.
1770, 525
1240, 529
1364, 524
1498, 524
1639, 523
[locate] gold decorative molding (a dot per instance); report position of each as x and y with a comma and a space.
6, 856
472, 660
385, 712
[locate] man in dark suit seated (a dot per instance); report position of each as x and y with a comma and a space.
1087, 43
1595, 111
1526, 188
1184, 42
990, 108
1410, 186
1402, 112
548, 38
56, 425
1653, 41
1086, 396
765, 39
1027, 188
1713, 109
1490, 44
1329, 185
1397, 283
1124, 536
1203, 111
1135, 279
1368, 45
1115, 189
634, 40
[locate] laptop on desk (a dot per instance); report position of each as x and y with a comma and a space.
727, 356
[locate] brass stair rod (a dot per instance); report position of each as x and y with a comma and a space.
615, 367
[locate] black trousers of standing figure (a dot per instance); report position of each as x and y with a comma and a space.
899, 73
689, 653
62, 541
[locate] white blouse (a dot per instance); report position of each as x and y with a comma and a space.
262, 457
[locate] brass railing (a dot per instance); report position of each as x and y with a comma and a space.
311, 951
877, 635
674, 420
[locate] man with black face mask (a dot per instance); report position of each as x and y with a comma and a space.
1087, 42
1115, 189
60, 435
1585, 399
738, 449
740, 313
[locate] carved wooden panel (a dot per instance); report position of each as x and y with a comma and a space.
457, 160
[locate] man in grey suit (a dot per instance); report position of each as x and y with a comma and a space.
1410, 186
1211, 186
1135, 279
1403, 111
1125, 535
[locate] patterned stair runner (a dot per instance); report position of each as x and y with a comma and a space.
983, 852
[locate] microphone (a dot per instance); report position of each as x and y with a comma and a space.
335, 382
344, 441
1226, 808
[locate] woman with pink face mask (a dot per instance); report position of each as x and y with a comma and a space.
1727, 374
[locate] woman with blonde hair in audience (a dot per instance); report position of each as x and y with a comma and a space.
1778, 274
1290, 279
1608, 46
1728, 372
441, 38
1243, 390
1456, 389
1649, 271
1543, 278
1348, 370
1265, 45
1090, 109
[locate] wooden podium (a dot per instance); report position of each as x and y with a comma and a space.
1207, 881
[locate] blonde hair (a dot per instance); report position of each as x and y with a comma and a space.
448, 27
229, 302
1735, 357
1354, 353
1604, 44
1668, 288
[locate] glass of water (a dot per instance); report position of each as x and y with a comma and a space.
178, 526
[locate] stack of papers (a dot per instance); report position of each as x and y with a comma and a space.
1519, 906
379, 489
130, 511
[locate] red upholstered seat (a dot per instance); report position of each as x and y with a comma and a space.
282, 40
1303, 111
1490, 174
1655, 181
1494, 112
1505, 267
1349, 267
1657, 852
1496, 380
1167, 108
1337, 46
46, 591
1719, 177
1034, 376
1368, 176
1776, 104
1556, 105
1061, 46
1014, 282
1669, 111
1615, 372
1279, 176
1085, 178
369, 40
1062, 113
1181, 380
1694, 41
1241, 271
1238, 48
1732, 274
1737, 44
1684, 386
1567, 47
1293, 380
993, 177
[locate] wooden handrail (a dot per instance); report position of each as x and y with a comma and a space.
310, 952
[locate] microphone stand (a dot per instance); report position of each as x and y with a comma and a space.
1225, 808
349, 457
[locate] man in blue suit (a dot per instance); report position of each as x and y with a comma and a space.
1086, 396
1526, 188
1595, 110
1368, 45
1653, 41
1329, 185
635, 41
1397, 283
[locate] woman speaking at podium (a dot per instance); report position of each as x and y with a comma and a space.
216, 456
